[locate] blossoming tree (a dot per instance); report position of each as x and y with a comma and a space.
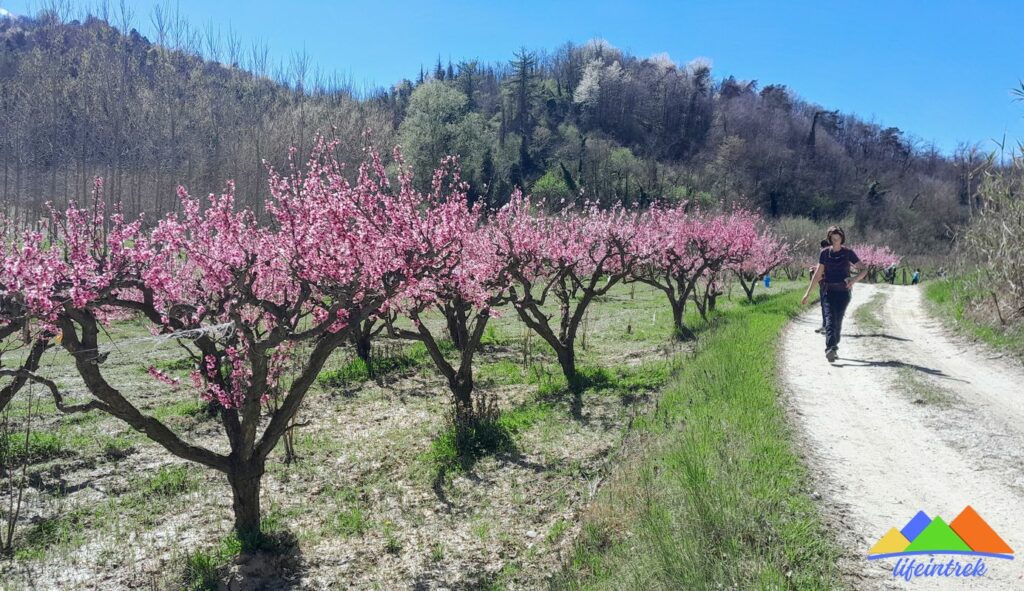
876, 258
768, 253
248, 300
679, 249
570, 258
467, 281
22, 266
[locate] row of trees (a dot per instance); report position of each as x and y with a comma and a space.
84, 99
260, 306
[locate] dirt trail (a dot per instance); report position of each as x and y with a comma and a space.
909, 418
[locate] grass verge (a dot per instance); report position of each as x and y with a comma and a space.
959, 303
715, 498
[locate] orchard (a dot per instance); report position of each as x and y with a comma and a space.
261, 303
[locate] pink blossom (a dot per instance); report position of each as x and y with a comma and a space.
162, 377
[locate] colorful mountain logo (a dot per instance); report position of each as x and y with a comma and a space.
967, 534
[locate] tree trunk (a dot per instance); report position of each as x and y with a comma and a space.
462, 390
701, 301
363, 345
455, 330
682, 332
567, 359
537, 321
31, 364
245, 479
747, 288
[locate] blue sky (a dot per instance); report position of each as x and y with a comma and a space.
940, 70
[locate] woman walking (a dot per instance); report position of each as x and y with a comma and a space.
833, 275
821, 297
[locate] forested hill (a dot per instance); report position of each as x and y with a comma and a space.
81, 98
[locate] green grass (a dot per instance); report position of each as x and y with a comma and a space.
556, 531
116, 448
717, 499
182, 364
493, 338
40, 447
437, 551
349, 522
952, 298
500, 373
201, 569
349, 518
356, 371
392, 545
183, 408
621, 380
452, 451
60, 530
64, 530
169, 481
868, 315
455, 450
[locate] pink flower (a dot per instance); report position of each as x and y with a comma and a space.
162, 377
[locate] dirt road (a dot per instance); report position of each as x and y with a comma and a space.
908, 419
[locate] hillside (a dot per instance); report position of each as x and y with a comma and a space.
82, 98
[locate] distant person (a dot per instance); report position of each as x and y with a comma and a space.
767, 281
821, 295
890, 274
916, 277
832, 275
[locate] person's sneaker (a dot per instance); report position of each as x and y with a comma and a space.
831, 355
820, 329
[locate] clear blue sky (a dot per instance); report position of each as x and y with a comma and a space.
940, 70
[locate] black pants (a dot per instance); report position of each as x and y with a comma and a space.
833, 306
821, 299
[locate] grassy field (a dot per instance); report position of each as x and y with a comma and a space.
712, 496
378, 499
971, 312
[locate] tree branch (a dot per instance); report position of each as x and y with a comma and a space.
58, 398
